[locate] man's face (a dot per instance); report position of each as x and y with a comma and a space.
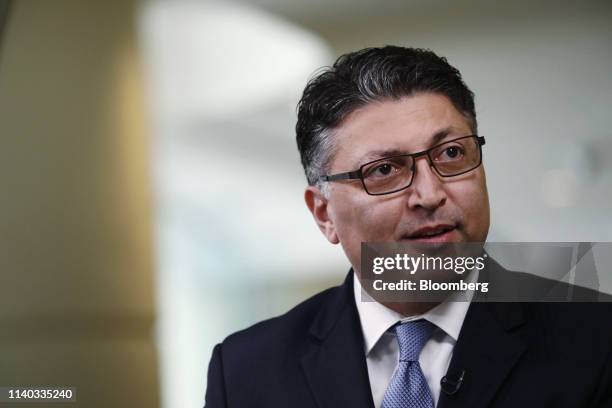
457, 207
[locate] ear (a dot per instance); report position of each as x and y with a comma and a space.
319, 208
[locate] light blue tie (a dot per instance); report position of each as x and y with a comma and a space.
408, 387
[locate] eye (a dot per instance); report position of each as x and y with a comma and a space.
382, 170
450, 153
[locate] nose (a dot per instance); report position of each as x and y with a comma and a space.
427, 190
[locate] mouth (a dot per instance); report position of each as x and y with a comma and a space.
440, 233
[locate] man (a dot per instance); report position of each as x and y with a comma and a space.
388, 140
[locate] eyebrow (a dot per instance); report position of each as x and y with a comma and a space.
379, 154
440, 135
435, 139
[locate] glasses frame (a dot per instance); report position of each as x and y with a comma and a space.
358, 174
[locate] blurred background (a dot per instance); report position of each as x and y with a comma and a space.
152, 188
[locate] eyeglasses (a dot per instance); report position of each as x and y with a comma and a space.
395, 173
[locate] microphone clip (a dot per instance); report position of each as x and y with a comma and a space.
451, 384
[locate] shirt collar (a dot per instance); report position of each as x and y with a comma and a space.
376, 319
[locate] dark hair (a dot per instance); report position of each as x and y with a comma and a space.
365, 76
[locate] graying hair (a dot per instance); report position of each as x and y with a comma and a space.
321, 156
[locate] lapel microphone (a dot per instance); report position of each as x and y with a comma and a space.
450, 384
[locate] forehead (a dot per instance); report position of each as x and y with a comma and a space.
410, 124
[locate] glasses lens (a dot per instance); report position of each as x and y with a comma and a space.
386, 175
457, 156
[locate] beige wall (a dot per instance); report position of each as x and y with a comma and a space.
76, 298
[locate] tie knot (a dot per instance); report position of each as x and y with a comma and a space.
411, 337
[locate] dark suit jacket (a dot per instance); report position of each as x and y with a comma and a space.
514, 355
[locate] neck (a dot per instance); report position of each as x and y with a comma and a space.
410, 308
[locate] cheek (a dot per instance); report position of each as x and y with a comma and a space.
366, 219
473, 200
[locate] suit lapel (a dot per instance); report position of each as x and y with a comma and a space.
488, 347
334, 363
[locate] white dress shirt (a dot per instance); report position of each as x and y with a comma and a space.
382, 349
